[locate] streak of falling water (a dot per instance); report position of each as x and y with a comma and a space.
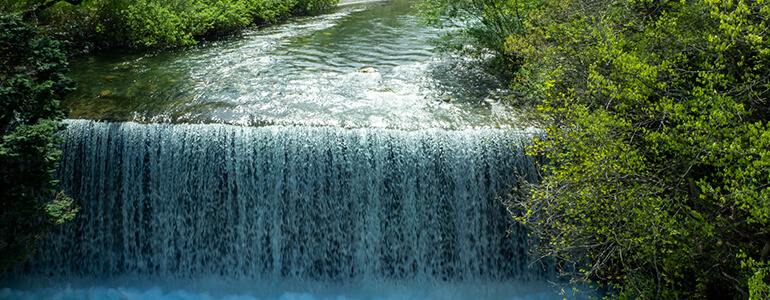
289, 205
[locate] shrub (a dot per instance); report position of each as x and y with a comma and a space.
31, 80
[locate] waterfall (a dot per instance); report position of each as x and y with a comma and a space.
319, 204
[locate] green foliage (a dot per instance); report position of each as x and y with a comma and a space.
180, 22
658, 144
145, 23
20, 5
314, 5
758, 272
32, 73
31, 79
486, 25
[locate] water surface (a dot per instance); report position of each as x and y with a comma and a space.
357, 66
403, 203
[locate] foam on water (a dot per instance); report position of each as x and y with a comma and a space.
540, 292
306, 71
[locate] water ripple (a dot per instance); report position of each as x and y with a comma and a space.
308, 71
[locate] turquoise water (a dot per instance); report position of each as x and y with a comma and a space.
336, 156
212, 211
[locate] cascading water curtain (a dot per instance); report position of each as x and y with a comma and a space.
289, 203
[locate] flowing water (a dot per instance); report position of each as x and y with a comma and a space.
335, 156
369, 65
292, 208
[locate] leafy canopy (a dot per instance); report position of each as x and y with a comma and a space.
658, 144
180, 22
485, 26
145, 23
31, 80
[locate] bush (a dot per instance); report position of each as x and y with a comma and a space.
180, 22
31, 80
485, 24
659, 145
144, 23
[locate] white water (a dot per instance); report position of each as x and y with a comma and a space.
305, 72
156, 293
395, 208
218, 211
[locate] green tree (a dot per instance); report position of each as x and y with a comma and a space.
31, 8
179, 22
656, 116
485, 26
88, 24
31, 79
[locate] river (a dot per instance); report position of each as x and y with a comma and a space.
360, 66
335, 156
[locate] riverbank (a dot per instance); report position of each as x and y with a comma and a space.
304, 71
101, 25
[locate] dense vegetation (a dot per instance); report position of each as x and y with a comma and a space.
486, 25
31, 82
658, 147
90, 24
656, 114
